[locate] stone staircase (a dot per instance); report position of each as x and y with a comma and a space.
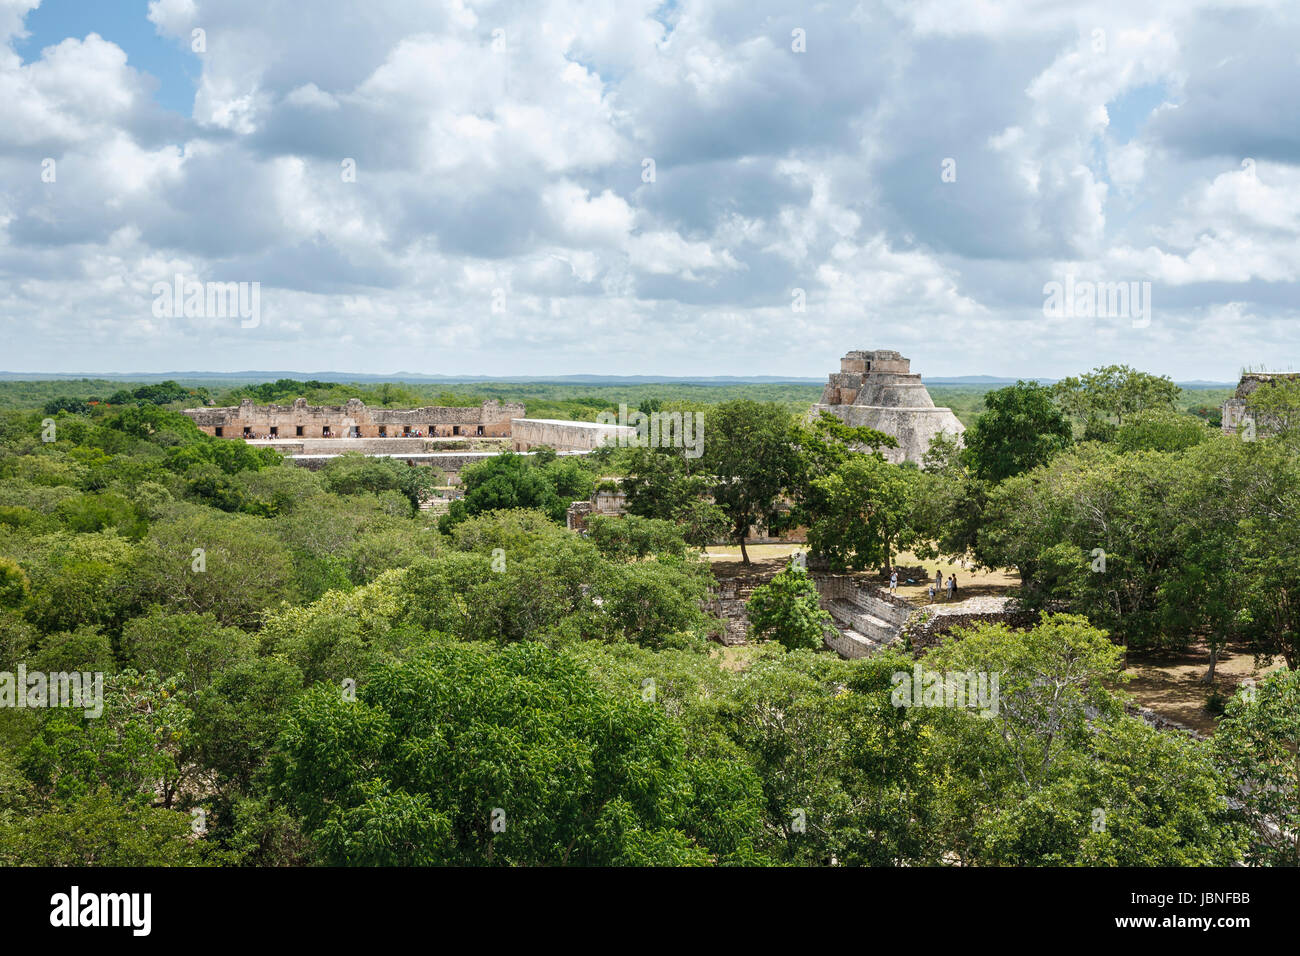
866, 619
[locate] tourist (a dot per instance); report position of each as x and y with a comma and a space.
953, 581
938, 580
951, 586
893, 583
931, 593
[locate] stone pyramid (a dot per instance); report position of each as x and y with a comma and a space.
879, 390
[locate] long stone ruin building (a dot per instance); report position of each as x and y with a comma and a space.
879, 390
355, 420
1235, 409
526, 433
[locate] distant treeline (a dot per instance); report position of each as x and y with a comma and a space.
568, 402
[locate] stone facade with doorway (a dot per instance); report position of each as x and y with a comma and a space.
355, 420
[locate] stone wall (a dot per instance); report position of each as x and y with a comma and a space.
398, 447
865, 593
528, 433
449, 462
610, 504
866, 617
929, 625
1161, 723
1237, 408
355, 419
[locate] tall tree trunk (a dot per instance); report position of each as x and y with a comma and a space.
1214, 659
743, 553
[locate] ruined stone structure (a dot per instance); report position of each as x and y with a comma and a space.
866, 618
879, 390
606, 501
564, 435
354, 420
931, 625
1235, 409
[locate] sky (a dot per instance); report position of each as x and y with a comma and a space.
619, 187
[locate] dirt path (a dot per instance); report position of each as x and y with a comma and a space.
726, 563
1170, 683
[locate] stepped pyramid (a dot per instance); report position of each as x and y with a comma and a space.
879, 390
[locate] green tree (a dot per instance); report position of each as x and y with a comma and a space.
750, 450
1105, 397
354, 474
787, 610
194, 647
97, 512
1133, 796
1160, 430
412, 771
1094, 528
701, 522
132, 749
230, 566
14, 583
1051, 678
237, 718
81, 579
74, 406
504, 482
860, 513
948, 503
1021, 428
84, 649
1257, 741
99, 830
631, 537
846, 776
662, 482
